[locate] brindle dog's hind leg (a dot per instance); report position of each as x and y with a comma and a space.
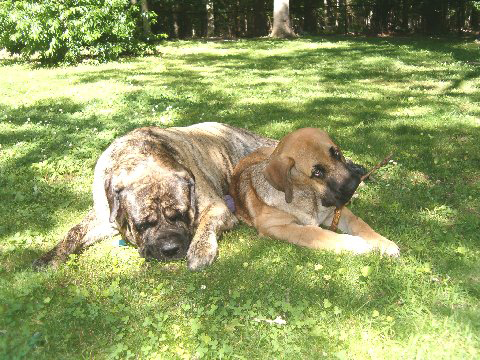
215, 219
89, 231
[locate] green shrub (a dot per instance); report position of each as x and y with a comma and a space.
63, 31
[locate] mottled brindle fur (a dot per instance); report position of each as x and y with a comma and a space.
163, 191
289, 190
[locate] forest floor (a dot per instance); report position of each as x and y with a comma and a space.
261, 299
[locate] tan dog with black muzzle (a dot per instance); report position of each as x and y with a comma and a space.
288, 191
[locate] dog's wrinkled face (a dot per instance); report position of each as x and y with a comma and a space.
155, 209
308, 157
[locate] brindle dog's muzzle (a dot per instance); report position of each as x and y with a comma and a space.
168, 244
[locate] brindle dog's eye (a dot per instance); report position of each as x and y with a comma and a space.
318, 171
335, 153
174, 216
143, 226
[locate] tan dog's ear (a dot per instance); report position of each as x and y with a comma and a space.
278, 174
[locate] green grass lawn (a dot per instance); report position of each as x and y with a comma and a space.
419, 97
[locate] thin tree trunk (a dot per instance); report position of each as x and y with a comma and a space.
236, 20
309, 19
210, 19
460, 16
330, 17
281, 20
218, 21
176, 27
344, 11
405, 12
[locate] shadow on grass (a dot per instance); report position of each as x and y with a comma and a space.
37, 135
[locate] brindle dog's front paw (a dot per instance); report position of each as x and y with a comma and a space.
40, 263
202, 252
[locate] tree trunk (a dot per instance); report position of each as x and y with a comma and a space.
184, 22
460, 16
147, 30
172, 25
378, 18
210, 19
475, 18
405, 13
281, 20
431, 12
260, 18
330, 15
176, 27
309, 19
199, 21
342, 7
236, 20
218, 25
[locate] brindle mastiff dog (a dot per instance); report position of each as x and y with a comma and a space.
288, 191
163, 191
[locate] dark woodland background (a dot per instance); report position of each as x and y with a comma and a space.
250, 18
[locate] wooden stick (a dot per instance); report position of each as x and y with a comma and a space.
336, 218
338, 210
376, 167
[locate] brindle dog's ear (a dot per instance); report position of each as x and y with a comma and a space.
193, 199
115, 207
113, 197
278, 174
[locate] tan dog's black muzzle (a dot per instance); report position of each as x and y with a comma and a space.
348, 189
341, 192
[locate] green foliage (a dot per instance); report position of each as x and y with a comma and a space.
63, 31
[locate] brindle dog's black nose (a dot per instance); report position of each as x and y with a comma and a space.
170, 249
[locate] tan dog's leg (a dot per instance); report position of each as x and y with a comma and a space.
353, 225
281, 225
215, 219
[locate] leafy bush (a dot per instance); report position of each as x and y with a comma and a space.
61, 31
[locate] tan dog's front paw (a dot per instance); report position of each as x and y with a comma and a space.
355, 244
381, 243
202, 252
388, 247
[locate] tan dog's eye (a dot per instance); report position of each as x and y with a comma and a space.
318, 171
335, 153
